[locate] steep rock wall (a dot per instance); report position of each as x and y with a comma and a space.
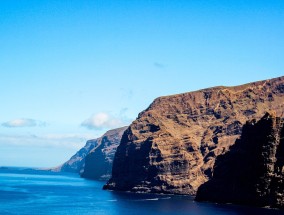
172, 146
95, 159
251, 172
76, 162
98, 162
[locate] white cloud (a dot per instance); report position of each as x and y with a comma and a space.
103, 120
17, 123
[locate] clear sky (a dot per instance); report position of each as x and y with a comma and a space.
70, 70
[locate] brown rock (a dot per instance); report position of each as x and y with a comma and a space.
172, 146
251, 172
98, 162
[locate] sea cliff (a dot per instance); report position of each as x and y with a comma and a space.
172, 146
98, 162
95, 159
251, 172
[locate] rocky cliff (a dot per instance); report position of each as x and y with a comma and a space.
76, 162
172, 146
251, 172
103, 148
98, 162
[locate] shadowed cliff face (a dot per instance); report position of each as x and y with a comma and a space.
98, 162
251, 172
76, 162
172, 146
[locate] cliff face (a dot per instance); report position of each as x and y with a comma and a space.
98, 162
251, 172
172, 146
76, 162
101, 152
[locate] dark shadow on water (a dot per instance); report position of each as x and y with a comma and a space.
174, 204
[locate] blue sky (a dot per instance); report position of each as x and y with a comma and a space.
70, 70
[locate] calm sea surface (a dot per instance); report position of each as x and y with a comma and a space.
34, 192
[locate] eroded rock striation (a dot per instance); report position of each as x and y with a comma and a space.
172, 146
98, 162
251, 172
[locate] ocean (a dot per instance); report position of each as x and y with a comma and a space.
27, 191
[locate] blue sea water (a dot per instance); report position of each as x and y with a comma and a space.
26, 191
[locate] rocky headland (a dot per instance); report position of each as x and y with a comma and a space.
251, 172
95, 159
76, 162
172, 146
98, 162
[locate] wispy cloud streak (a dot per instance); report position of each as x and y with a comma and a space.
73, 141
22, 122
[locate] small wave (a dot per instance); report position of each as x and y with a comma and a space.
154, 199
112, 200
142, 200
166, 198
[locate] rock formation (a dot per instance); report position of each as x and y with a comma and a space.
103, 148
172, 146
76, 162
98, 162
251, 172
